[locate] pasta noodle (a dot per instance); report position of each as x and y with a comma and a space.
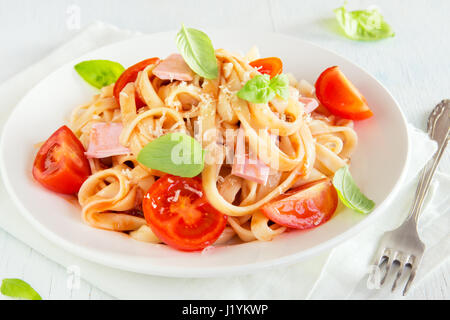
298, 147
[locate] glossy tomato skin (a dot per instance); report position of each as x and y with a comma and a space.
336, 93
60, 164
130, 75
177, 211
271, 66
305, 207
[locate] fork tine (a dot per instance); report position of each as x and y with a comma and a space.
403, 261
379, 255
397, 276
389, 262
413, 263
410, 280
388, 267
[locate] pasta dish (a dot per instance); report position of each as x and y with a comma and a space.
171, 152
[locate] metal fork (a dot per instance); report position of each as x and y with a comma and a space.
403, 245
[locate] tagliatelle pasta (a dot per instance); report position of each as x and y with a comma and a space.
297, 147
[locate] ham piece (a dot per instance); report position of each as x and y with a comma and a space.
104, 140
173, 68
244, 167
310, 104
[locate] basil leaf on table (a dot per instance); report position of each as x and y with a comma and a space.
198, 52
175, 153
262, 89
99, 73
17, 288
349, 192
363, 24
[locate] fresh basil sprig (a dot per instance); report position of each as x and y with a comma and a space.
99, 73
349, 192
363, 24
280, 85
17, 288
198, 52
262, 89
175, 153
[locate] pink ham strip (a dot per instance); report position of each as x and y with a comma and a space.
244, 167
174, 68
310, 104
104, 140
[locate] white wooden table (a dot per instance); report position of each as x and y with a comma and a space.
414, 66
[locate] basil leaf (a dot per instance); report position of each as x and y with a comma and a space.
280, 85
175, 153
17, 288
99, 73
349, 192
262, 89
257, 90
363, 24
198, 52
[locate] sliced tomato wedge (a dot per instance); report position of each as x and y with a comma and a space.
336, 93
60, 163
271, 66
304, 207
130, 75
177, 211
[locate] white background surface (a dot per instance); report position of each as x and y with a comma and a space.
414, 66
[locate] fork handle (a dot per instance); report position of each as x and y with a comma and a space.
425, 180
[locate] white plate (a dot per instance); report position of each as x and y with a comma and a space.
378, 164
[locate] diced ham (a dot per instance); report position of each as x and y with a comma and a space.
173, 68
310, 104
244, 167
104, 140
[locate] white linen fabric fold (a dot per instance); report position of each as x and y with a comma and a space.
338, 273
347, 270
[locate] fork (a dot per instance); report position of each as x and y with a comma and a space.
403, 245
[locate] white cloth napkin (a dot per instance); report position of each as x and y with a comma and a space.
338, 273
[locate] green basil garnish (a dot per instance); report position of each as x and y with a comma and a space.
198, 52
363, 24
99, 73
175, 153
17, 288
280, 85
349, 192
262, 89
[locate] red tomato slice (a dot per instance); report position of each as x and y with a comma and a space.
304, 207
178, 212
340, 96
60, 163
271, 66
130, 75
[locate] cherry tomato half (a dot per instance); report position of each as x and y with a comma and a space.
340, 96
130, 75
304, 207
271, 66
60, 163
177, 211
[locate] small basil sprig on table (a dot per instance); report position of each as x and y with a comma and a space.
349, 192
262, 89
363, 24
17, 288
198, 52
99, 73
175, 153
